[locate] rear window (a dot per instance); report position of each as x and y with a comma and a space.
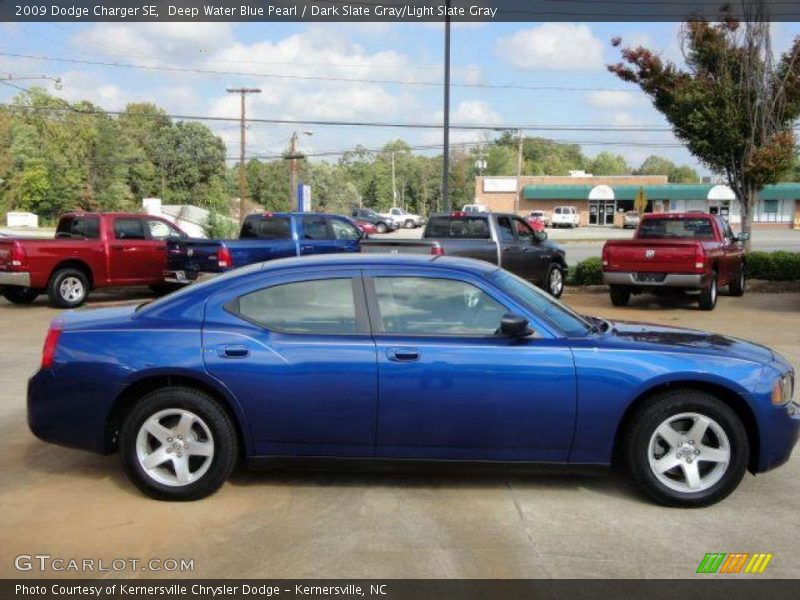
87, 228
474, 228
267, 228
688, 228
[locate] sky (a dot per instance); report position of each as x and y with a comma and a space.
303, 70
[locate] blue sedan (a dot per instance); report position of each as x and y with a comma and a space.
382, 358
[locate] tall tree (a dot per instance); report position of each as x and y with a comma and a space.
732, 105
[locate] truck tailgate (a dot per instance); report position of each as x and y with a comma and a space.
194, 256
651, 256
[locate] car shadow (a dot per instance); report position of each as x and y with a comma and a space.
97, 299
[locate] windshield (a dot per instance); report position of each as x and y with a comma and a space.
571, 323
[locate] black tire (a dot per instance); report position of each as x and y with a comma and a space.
409, 224
20, 295
554, 282
380, 227
737, 286
708, 295
620, 295
636, 448
60, 296
213, 416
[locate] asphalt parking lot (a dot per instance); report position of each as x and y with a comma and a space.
72, 504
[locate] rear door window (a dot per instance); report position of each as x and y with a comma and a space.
320, 306
343, 230
129, 229
316, 228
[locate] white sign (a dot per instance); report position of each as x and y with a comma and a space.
22, 219
305, 198
500, 184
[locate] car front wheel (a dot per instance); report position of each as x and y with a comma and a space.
178, 444
555, 281
409, 224
686, 448
380, 228
736, 287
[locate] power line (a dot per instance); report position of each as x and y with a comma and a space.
217, 73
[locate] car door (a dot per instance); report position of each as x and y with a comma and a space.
297, 354
130, 251
511, 254
315, 235
347, 235
450, 388
159, 232
534, 260
732, 252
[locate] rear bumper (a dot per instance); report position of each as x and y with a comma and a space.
15, 279
695, 281
179, 276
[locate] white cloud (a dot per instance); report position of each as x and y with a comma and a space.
468, 112
608, 99
552, 47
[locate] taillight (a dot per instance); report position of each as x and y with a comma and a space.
51, 344
605, 256
18, 258
437, 250
224, 258
699, 258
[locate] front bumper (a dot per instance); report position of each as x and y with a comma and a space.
695, 281
15, 279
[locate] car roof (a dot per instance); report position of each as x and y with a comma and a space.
357, 260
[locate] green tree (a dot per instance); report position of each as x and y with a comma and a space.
607, 163
658, 165
732, 105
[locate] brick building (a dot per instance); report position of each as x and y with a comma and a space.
599, 198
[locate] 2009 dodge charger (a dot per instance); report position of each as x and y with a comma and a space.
385, 357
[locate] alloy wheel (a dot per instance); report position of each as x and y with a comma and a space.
72, 289
556, 282
689, 452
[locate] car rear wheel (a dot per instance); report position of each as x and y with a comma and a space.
620, 295
20, 295
380, 227
555, 281
708, 295
409, 224
178, 444
68, 288
686, 448
736, 287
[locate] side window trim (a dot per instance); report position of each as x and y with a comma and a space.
361, 314
376, 317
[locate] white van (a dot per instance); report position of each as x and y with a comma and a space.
475, 208
565, 216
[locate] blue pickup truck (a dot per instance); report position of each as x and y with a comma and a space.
264, 236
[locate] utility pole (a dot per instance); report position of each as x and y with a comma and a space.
519, 172
394, 185
446, 149
242, 178
293, 156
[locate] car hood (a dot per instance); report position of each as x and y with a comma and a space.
687, 340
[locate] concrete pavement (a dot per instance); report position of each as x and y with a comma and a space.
69, 503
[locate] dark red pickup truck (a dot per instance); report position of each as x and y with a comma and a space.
90, 250
689, 251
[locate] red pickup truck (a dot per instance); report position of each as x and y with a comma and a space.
688, 251
90, 250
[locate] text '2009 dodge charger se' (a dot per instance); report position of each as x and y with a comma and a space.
409, 358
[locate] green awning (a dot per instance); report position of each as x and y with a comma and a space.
781, 191
669, 191
556, 192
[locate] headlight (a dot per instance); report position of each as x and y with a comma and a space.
783, 390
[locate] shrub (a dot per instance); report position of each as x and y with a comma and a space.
773, 266
588, 272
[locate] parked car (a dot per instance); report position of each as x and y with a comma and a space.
383, 223
366, 227
475, 208
676, 251
565, 216
539, 215
630, 220
264, 236
501, 239
90, 251
391, 358
405, 219
536, 223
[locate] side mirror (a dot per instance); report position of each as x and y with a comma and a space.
514, 326
743, 236
540, 235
